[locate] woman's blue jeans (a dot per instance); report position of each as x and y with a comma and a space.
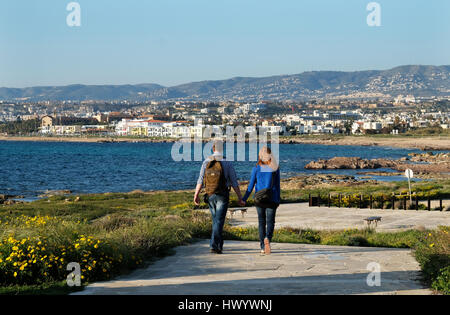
266, 219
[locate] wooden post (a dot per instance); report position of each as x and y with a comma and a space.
360, 201
310, 200
429, 203
440, 204
393, 202
382, 202
404, 204
318, 200
340, 200
329, 200
371, 201
417, 202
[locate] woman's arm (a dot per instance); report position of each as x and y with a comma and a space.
251, 184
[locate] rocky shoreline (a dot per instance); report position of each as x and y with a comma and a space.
425, 166
314, 181
9, 199
321, 180
350, 163
421, 164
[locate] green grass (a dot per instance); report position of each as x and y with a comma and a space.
116, 233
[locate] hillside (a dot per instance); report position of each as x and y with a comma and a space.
415, 80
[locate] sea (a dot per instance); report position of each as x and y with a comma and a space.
30, 169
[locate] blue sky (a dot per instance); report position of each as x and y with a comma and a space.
178, 41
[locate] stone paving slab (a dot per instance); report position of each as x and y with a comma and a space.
323, 218
292, 269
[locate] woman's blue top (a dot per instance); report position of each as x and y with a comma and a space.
262, 178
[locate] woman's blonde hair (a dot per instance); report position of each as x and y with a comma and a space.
266, 158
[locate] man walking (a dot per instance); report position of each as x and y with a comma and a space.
217, 176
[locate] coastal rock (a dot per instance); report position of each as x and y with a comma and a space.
420, 169
302, 181
429, 163
11, 202
350, 163
381, 173
430, 157
5, 199
52, 193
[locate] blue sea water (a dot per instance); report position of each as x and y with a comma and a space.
31, 168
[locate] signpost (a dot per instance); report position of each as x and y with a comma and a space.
409, 174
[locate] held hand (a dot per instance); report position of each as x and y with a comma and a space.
242, 203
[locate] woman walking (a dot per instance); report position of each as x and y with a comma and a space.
266, 177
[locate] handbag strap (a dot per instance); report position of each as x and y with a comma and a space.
273, 179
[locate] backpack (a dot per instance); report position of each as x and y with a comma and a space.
214, 179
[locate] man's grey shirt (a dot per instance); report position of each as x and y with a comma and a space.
228, 170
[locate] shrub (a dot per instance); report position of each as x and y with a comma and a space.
433, 255
442, 282
36, 250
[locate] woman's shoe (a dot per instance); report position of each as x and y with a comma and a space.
267, 249
263, 252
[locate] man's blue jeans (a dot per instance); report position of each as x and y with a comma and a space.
266, 219
218, 205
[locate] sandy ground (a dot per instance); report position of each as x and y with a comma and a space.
430, 143
292, 269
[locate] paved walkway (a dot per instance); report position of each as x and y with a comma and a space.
292, 269
323, 218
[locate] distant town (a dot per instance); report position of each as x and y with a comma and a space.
182, 119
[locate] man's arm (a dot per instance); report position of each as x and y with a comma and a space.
199, 186
197, 194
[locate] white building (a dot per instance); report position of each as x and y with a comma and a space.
253, 107
372, 125
128, 127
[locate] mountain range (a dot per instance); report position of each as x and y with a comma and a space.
414, 80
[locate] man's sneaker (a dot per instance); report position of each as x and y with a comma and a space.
263, 252
216, 251
267, 249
